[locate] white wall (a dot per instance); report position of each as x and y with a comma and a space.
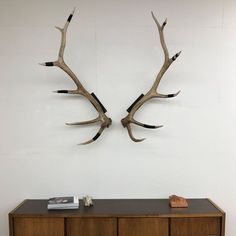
114, 48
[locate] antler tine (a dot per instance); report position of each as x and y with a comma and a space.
146, 125
152, 93
63, 34
161, 34
168, 61
171, 95
85, 122
105, 121
60, 61
95, 137
132, 136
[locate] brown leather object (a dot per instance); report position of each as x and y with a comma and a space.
177, 202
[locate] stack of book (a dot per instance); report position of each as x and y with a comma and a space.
63, 203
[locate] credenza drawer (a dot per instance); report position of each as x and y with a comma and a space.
143, 227
91, 226
208, 226
38, 226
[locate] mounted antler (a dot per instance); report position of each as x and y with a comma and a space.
104, 121
152, 93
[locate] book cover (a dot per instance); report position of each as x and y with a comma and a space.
63, 202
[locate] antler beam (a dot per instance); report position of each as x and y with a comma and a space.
104, 121
152, 93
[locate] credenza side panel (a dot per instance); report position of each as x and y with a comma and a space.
39, 226
91, 226
143, 226
196, 226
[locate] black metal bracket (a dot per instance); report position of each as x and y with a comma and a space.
103, 108
130, 108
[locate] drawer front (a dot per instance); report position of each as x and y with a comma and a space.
196, 226
143, 227
91, 227
39, 227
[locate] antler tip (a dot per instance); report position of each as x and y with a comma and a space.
59, 28
73, 11
42, 64
153, 16
85, 143
178, 92
70, 124
141, 140
164, 23
176, 55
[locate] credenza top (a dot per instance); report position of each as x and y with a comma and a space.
120, 208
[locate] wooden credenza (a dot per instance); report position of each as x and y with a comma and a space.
119, 217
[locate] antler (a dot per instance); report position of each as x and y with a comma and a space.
152, 93
105, 121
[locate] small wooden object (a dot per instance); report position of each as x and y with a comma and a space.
177, 202
88, 201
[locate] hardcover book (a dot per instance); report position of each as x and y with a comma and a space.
61, 203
